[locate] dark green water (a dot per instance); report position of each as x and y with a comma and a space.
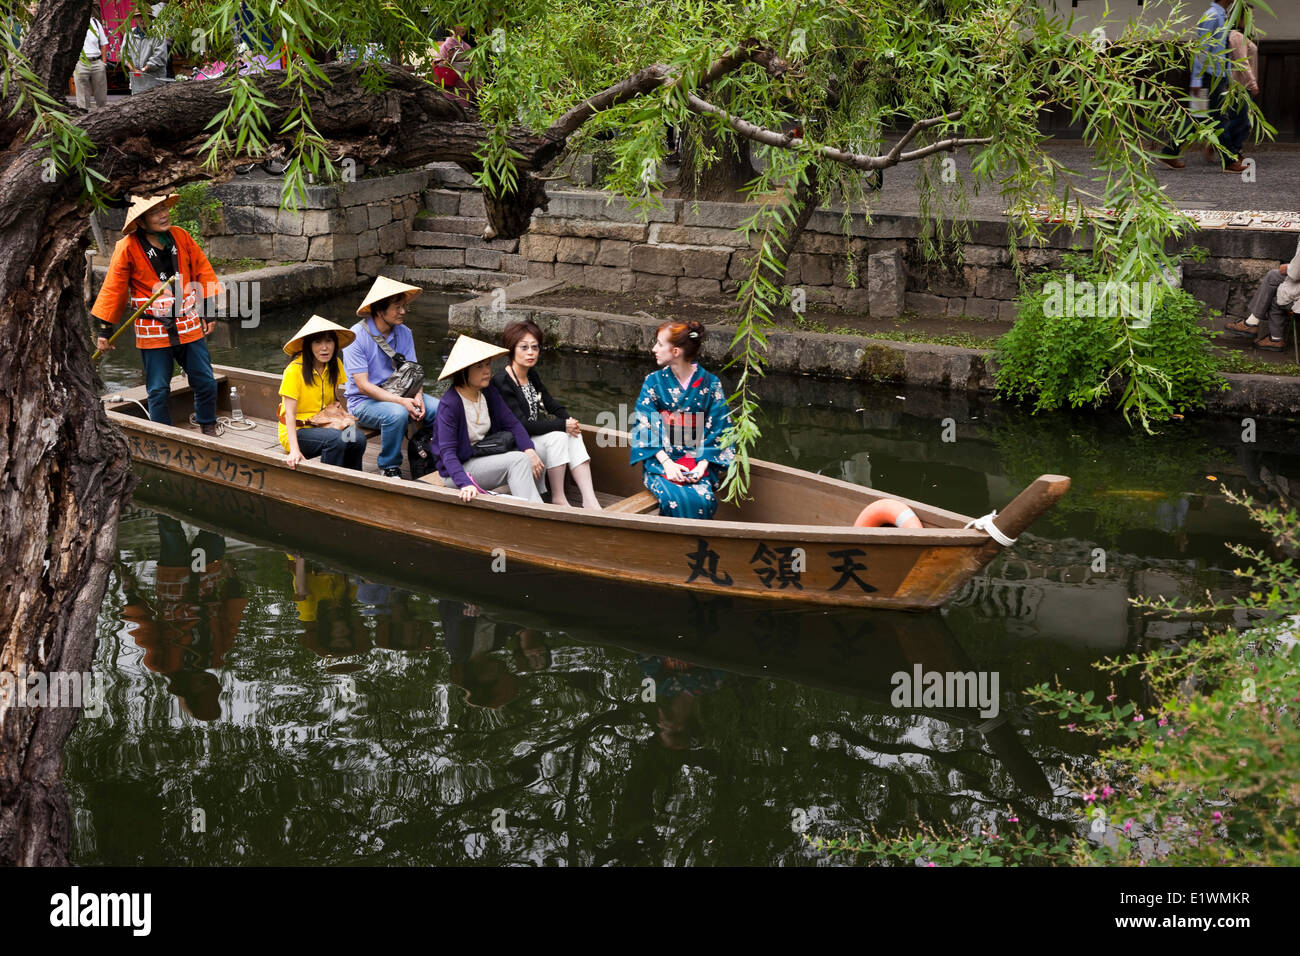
437, 714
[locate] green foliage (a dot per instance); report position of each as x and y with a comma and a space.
196, 208
1078, 341
1205, 774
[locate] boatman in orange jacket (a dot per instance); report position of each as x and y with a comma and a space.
154, 254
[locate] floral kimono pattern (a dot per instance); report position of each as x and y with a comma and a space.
686, 423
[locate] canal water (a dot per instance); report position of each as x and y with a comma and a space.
416, 708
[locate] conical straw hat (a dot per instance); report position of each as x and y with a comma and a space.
141, 205
382, 289
467, 352
317, 324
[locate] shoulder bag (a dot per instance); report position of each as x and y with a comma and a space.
407, 379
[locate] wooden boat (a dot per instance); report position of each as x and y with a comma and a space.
794, 541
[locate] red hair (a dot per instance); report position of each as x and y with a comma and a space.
687, 336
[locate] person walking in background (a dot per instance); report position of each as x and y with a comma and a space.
1212, 63
91, 76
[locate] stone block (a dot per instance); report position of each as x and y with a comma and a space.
368, 243
923, 304
345, 274
471, 204
886, 283
704, 262
956, 308
239, 247
410, 206
575, 249
514, 263
614, 253
598, 207
442, 202
628, 232
449, 174
650, 282
813, 269
371, 266
289, 222
857, 301
847, 273
318, 222
540, 270
822, 244
482, 259
377, 216
538, 248
656, 260
738, 269
431, 258
1008, 311
385, 188
977, 308
997, 284
239, 220
715, 215
661, 232
1213, 292
694, 288
570, 272
985, 256
336, 246
392, 237
357, 219
289, 248
606, 279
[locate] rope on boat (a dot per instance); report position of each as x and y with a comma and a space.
986, 525
223, 423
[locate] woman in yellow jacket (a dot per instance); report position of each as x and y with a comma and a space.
155, 253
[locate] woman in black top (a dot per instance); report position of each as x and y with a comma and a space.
556, 436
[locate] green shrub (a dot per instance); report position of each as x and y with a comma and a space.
197, 208
1075, 349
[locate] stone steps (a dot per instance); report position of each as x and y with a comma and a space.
456, 225
452, 240
476, 279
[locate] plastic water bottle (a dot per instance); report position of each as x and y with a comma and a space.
236, 413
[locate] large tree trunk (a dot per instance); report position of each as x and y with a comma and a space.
719, 181
66, 470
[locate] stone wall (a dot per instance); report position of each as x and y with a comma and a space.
355, 228
692, 250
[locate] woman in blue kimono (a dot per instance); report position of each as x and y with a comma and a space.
680, 418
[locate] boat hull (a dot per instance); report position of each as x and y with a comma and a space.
816, 564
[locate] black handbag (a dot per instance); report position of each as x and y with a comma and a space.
419, 451
496, 443
407, 379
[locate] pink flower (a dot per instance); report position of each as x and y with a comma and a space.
1161, 722
1106, 791
1137, 718
1128, 825
1111, 697
932, 863
1070, 727
1090, 796
1217, 816
1013, 819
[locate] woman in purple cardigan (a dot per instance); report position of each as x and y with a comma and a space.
470, 411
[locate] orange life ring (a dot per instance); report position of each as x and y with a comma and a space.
888, 511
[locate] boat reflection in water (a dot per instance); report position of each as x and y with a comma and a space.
686, 641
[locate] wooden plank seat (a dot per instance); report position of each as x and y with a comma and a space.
641, 503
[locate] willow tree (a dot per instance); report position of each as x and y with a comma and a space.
825, 92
